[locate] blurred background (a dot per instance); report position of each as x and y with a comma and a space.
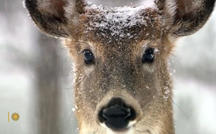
36, 78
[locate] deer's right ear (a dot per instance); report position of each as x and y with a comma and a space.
49, 15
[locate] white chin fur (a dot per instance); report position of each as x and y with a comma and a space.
129, 131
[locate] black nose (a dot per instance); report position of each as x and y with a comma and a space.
117, 115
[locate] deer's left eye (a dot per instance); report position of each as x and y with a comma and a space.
148, 56
88, 57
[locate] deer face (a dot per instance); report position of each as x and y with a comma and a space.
120, 55
124, 80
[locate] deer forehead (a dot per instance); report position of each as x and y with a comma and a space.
123, 25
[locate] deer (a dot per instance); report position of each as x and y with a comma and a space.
122, 83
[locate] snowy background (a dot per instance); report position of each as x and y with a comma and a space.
32, 62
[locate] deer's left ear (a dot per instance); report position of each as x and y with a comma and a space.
188, 16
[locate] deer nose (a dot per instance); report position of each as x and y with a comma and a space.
117, 115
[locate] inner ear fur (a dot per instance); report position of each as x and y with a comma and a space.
190, 15
49, 16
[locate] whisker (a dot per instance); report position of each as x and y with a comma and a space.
185, 114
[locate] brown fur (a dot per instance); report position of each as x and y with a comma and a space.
119, 73
118, 70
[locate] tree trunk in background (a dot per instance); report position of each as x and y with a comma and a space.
48, 93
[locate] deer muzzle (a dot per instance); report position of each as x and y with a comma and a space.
117, 115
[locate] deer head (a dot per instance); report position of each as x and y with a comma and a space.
122, 83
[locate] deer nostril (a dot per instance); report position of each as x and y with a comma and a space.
117, 115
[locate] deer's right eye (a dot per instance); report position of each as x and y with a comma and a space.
88, 57
148, 56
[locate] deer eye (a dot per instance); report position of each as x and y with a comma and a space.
148, 56
88, 56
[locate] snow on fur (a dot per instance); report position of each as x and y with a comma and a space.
117, 19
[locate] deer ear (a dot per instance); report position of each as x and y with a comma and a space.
49, 15
189, 15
